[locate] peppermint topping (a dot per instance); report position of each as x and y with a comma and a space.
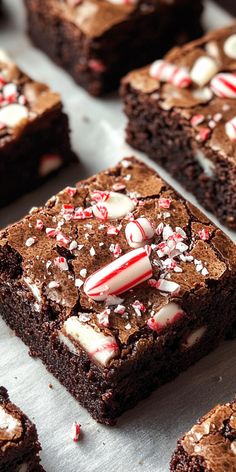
75, 431
139, 232
100, 347
119, 276
224, 85
30, 241
116, 206
166, 72
230, 129
203, 70
61, 263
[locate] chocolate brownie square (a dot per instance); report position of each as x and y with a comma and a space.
210, 445
34, 133
182, 113
98, 41
118, 285
19, 445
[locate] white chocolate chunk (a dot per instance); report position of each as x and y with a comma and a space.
34, 289
117, 206
167, 314
230, 129
13, 114
102, 348
205, 163
194, 337
212, 49
203, 70
230, 46
8, 424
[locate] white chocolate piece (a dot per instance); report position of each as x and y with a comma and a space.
49, 163
139, 232
205, 163
119, 276
166, 315
8, 424
194, 337
34, 289
230, 129
204, 94
230, 46
203, 70
117, 206
12, 115
212, 49
100, 347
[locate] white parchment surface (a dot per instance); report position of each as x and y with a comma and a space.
144, 437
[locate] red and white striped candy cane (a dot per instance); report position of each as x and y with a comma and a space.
166, 72
119, 276
224, 85
139, 232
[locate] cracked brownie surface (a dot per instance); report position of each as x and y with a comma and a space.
210, 444
182, 113
115, 275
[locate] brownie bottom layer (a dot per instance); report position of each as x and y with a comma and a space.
39, 152
28, 463
98, 65
166, 138
107, 393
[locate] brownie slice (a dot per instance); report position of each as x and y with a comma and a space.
19, 445
185, 120
210, 445
34, 133
98, 41
118, 285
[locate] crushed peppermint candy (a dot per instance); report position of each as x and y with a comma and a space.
75, 431
79, 283
61, 263
30, 241
164, 203
204, 234
197, 120
103, 317
120, 309
92, 252
39, 225
113, 230
84, 317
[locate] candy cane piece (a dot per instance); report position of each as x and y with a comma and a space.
139, 232
119, 276
166, 72
102, 348
224, 85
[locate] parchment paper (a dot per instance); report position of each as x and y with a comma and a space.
145, 437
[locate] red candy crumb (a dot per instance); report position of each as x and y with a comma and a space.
164, 202
197, 120
75, 431
96, 65
203, 134
204, 234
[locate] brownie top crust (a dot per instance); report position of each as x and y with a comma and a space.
22, 100
117, 258
213, 438
95, 17
11, 423
198, 81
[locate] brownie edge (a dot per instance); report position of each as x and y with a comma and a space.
210, 446
19, 445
